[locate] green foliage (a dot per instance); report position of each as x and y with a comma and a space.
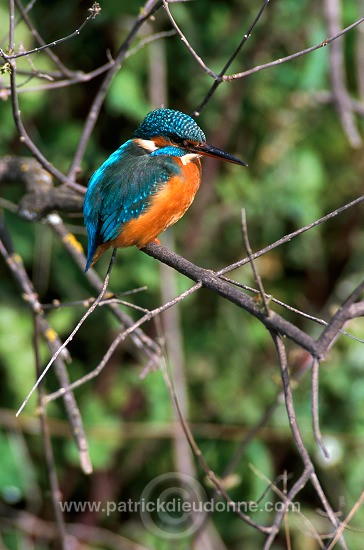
126, 96
16, 353
16, 471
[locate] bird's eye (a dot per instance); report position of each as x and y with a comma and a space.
181, 141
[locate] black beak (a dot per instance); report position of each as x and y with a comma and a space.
210, 151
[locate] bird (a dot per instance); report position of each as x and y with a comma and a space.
147, 184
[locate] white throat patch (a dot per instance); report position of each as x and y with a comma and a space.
147, 144
188, 157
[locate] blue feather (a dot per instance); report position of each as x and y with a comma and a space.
171, 124
121, 189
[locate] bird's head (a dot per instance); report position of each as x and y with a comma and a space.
164, 127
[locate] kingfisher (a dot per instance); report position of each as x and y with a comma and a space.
147, 184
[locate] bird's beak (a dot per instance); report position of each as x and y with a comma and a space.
210, 151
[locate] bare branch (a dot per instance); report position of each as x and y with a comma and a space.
287, 238
70, 337
54, 343
47, 446
337, 75
119, 338
212, 281
24, 15
229, 62
359, 503
322, 44
199, 455
79, 76
257, 277
298, 311
187, 44
328, 336
309, 471
94, 11
141, 340
315, 408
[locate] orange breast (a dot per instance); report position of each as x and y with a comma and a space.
166, 208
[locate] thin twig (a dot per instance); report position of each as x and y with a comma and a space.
24, 137
281, 60
291, 506
123, 334
346, 521
332, 9
344, 312
80, 76
88, 301
287, 238
199, 455
256, 275
188, 45
70, 337
309, 470
142, 341
53, 342
24, 16
286, 523
217, 82
291, 308
94, 11
315, 408
47, 446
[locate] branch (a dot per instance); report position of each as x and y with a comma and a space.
123, 334
229, 62
337, 76
212, 281
322, 44
41, 196
80, 76
256, 275
24, 16
70, 337
287, 238
47, 445
309, 470
346, 311
141, 340
94, 11
315, 407
53, 341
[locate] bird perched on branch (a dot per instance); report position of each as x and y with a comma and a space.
147, 184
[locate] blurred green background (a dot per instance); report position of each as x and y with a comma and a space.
283, 122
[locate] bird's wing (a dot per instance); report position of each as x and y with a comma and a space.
121, 189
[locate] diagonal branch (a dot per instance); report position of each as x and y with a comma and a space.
309, 470
220, 79
212, 281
